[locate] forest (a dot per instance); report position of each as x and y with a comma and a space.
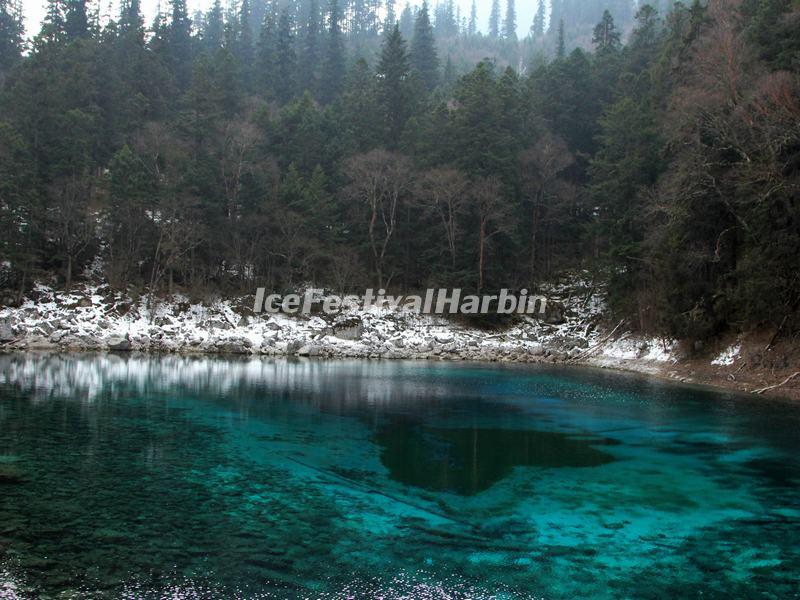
352, 143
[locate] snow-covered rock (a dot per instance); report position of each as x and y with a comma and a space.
97, 317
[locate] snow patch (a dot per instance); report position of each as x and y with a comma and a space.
727, 356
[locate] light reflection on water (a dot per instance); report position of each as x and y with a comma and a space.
194, 477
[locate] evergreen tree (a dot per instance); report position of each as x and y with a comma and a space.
561, 45
537, 28
472, 28
214, 30
244, 45
266, 58
450, 74
423, 58
285, 59
11, 36
361, 115
406, 22
130, 19
334, 63
393, 92
391, 16
494, 19
77, 20
54, 25
310, 56
510, 21
606, 38
179, 43
645, 34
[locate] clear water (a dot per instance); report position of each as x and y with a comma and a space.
148, 477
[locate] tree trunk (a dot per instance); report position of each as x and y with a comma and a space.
69, 272
480, 254
534, 234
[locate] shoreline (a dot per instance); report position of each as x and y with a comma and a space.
627, 367
95, 318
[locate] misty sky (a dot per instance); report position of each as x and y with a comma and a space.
35, 10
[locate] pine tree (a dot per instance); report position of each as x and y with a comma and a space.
130, 19
266, 53
54, 25
334, 64
179, 40
391, 17
494, 19
393, 93
406, 22
77, 20
11, 36
286, 58
537, 28
310, 56
214, 30
606, 38
645, 34
424, 60
361, 114
244, 43
561, 44
472, 28
450, 74
510, 21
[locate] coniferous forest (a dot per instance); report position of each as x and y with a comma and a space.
353, 142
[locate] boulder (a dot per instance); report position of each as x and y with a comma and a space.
554, 314
6, 331
233, 347
536, 350
309, 350
120, 344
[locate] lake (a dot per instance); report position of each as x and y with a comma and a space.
152, 477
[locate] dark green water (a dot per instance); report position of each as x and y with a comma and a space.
148, 477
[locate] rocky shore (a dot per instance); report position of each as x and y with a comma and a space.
94, 317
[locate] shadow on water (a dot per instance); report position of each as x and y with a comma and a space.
470, 460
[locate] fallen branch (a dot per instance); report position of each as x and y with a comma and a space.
777, 385
583, 355
732, 376
777, 333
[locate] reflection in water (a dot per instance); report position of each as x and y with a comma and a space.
468, 461
143, 476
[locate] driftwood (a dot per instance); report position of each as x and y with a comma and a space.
777, 385
599, 344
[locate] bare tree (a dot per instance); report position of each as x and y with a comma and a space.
178, 235
239, 139
443, 191
542, 165
493, 216
379, 179
72, 226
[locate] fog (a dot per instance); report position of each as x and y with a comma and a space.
36, 9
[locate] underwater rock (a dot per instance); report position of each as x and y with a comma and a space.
10, 476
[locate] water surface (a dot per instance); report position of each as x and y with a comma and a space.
153, 477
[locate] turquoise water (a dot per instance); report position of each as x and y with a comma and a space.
148, 477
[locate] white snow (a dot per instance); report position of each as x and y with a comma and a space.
727, 356
95, 317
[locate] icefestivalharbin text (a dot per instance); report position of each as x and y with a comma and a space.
442, 301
